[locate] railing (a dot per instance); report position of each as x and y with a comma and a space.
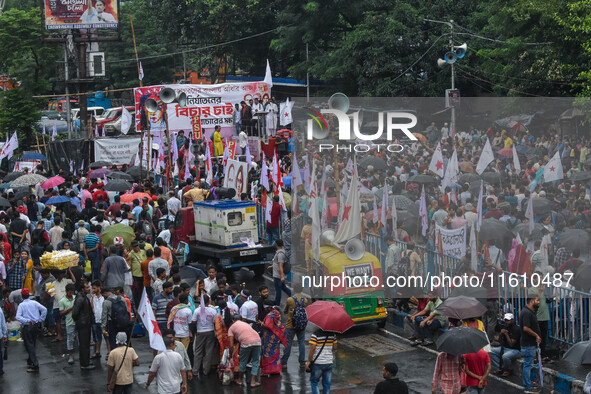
570, 309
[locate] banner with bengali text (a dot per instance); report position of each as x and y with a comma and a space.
453, 242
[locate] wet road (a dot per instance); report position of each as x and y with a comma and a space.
362, 352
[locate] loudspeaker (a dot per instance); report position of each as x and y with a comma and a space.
461, 50
327, 238
339, 101
224, 193
441, 62
450, 58
151, 104
355, 249
167, 95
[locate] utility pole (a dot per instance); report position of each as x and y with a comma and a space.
85, 132
452, 125
66, 79
307, 77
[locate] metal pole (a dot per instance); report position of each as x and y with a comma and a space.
66, 78
307, 77
453, 79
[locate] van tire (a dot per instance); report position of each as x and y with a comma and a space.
259, 270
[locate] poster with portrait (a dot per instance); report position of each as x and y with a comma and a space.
81, 14
236, 176
214, 104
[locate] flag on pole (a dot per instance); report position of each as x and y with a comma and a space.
248, 158
394, 217
125, 120
451, 172
268, 76
175, 151
375, 210
276, 172
313, 214
351, 222
103, 132
553, 170
529, 214
486, 157
226, 155
324, 216
349, 166
96, 133
268, 207
296, 176
9, 147
344, 194
282, 200
436, 164
72, 166
44, 132
285, 117
150, 324
54, 131
208, 165
384, 215
307, 177
516, 161
473, 250
423, 213
265, 175
479, 209
141, 72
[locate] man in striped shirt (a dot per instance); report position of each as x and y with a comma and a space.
91, 251
159, 305
322, 345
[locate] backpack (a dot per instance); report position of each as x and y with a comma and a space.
119, 314
404, 263
300, 317
146, 228
286, 263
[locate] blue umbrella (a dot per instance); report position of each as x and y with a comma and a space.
5, 186
57, 200
33, 156
521, 149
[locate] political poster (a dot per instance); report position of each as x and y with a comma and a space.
81, 14
116, 150
213, 104
453, 242
236, 176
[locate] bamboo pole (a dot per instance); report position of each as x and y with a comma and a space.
137, 60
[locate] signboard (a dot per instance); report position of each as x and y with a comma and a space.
81, 14
197, 131
236, 176
452, 98
116, 150
453, 242
214, 104
20, 166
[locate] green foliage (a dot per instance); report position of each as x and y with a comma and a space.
18, 112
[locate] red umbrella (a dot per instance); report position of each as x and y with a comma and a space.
506, 152
329, 316
52, 182
128, 198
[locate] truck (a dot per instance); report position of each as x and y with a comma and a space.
223, 233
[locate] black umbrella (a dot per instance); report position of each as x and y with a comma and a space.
422, 179
575, 239
461, 340
542, 206
410, 218
135, 172
375, 162
494, 178
11, 176
469, 178
118, 185
4, 203
402, 202
99, 164
579, 353
120, 175
580, 176
480, 293
523, 231
330, 183
582, 278
462, 307
535, 153
21, 194
475, 190
495, 230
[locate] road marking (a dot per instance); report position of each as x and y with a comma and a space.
374, 344
433, 351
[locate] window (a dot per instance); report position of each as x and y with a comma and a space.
234, 218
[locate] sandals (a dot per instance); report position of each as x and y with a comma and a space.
255, 385
95, 356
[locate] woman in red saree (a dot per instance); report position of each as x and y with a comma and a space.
221, 323
273, 335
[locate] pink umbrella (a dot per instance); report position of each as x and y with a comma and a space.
506, 152
329, 316
52, 182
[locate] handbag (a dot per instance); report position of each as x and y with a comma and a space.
309, 370
113, 381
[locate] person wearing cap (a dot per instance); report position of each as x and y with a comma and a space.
391, 384
29, 314
79, 234
121, 362
502, 356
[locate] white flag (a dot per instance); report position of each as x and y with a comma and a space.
54, 131
96, 134
175, 151
349, 166
248, 158
473, 250
141, 72
553, 170
394, 217
516, 161
296, 176
208, 165
436, 164
351, 222
451, 172
375, 210
314, 214
344, 193
282, 200
286, 118
479, 209
268, 76
125, 120
265, 176
307, 177
423, 213
9, 147
529, 214
486, 157
44, 132
269, 208
151, 325
226, 155
384, 215
72, 166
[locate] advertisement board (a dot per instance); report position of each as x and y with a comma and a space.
81, 14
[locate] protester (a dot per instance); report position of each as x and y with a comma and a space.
205, 338
121, 362
279, 275
321, 359
391, 384
169, 370
530, 338
30, 314
297, 321
242, 334
83, 317
477, 367
447, 372
501, 357
66, 307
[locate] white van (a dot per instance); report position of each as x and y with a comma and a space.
95, 112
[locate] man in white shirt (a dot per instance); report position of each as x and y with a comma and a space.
211, 283
469, 214
205, 339
167, 234
256, 108
169, 370
249, 309
182, 319
242, 141
173, 204
271, 118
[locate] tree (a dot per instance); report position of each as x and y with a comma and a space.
19, 112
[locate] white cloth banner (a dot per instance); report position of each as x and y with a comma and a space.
116, 150
453, 241
236, 176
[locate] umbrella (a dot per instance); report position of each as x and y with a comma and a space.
120, 175
28, 180
20, 195
480, 293
100, 173
118, 185
135, 172
4, 203
536, 235
57, 200
469, 178
190, 275
11, 176
99, 164
580, 176
582, 278
494, 178
421, 179
329, 316
521, 149
330, 183
506, 152
466, 166
375, 162
402, 202
5, 185
535, 153
493, 230
461, 340
575, 239
33, 156
128, 198
541, 206
284, 131
579, 353
410, 218
420, 137
52, 182
462, 307
117, 230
